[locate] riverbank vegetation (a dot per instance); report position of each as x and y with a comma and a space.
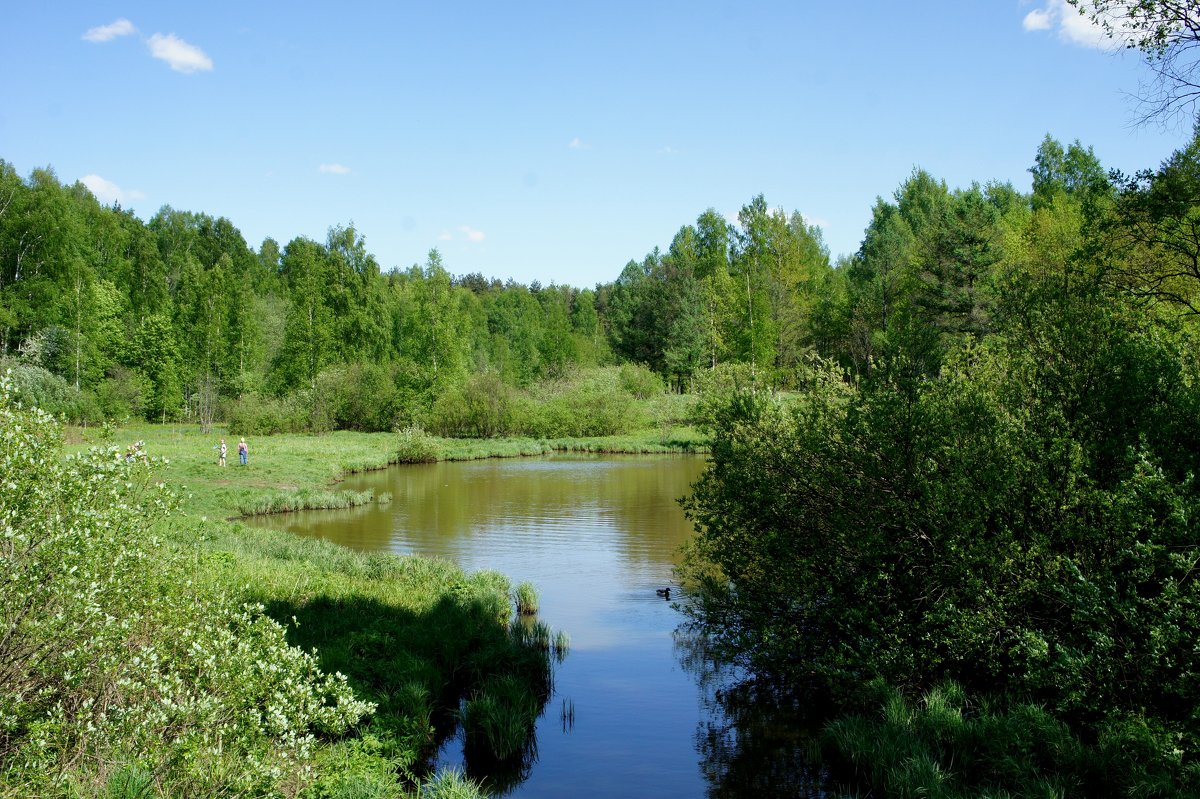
154, 651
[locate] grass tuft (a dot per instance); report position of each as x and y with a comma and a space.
304, 499
526, 597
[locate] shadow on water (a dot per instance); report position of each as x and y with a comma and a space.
754, 740
425, 669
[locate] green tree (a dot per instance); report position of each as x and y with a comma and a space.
1151, 241
757, 249
713, 241
307, 344
434, 328
684, 348
1008, 523
154, 351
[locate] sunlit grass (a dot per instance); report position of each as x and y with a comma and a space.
304, 499
526, 599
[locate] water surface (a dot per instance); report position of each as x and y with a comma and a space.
597, 535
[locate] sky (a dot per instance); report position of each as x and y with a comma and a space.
550, 141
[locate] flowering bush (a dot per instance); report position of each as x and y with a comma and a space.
113, 661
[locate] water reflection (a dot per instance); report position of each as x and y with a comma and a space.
444, 508
754, 741
597, 536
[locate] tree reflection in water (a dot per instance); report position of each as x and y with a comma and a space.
756, 741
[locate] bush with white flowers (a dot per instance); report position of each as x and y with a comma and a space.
113, 662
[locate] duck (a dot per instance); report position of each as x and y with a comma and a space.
665, 593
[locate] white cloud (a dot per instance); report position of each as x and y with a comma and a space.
1070, 25
1037, 20
179, 55
578, 144
107, 191
472, 235
668, 150
445, 236
106, 33
334, 169
1080, 30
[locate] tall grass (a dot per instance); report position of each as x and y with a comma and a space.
501, 717
450, 784
526, 598
561, 645
304, 499
943, 745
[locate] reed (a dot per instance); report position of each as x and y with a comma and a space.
501, 717
533, 635
526, 597
941, 746
567, 714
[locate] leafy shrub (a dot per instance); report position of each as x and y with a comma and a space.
714, 388
259, 415
358, 396
105, 643
35, 387
414, 445
640, 381
591, 402
1016, 523
122, 394
482, 407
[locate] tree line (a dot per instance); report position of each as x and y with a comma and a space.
103, 315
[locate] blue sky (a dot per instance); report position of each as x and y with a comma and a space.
549, 141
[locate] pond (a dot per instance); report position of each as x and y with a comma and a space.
598, 536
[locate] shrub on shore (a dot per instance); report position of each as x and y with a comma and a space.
105, 641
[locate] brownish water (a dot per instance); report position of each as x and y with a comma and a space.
597, 536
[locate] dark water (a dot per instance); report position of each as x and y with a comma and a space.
597, 536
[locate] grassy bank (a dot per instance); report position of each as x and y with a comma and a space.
285, 469
431, 647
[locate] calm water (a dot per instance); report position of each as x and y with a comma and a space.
597, 536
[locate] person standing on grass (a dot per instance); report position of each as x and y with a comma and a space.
243, 452
222, 451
